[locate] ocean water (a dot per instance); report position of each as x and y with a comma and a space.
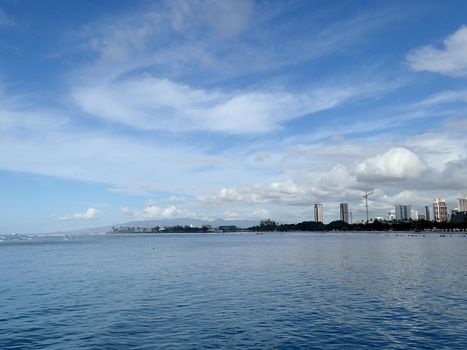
271, 291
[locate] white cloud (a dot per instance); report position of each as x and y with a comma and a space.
176, 200
337, 179
126, 211
153, 211
293, 173
245, 213
451, 59
285, 192
438, 148
90, 214
396, 174
228, 195
50, 143
197, 55
396, 164
149, 103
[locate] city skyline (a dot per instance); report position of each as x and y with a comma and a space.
131, 110
439, 211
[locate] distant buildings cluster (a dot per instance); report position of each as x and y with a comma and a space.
438, 212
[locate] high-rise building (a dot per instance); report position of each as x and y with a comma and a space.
463, 203
344, 210
402, 211
440, 210
428, 213
319, 216
414, 214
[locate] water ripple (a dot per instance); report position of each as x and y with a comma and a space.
292, 291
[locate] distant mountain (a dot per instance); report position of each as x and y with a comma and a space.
238, 223
160, 223
186, 221
83, 231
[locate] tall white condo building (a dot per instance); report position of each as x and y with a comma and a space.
463, 203
319, 215
440, 210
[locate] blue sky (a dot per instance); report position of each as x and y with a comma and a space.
113, 111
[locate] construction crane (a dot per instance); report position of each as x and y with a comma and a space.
366, 203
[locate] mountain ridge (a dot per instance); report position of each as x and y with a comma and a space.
160, 223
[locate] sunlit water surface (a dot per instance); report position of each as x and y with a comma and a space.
289, 291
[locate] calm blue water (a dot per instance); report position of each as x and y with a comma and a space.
289, 291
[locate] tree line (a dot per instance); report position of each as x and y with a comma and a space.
376, 225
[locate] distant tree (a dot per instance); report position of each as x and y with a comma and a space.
267, 225
229, 228
338, 225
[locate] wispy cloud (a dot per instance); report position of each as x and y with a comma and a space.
211, 41
445, 97
167, 68
5, 20
158, 104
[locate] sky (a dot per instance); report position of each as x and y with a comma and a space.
113, 111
